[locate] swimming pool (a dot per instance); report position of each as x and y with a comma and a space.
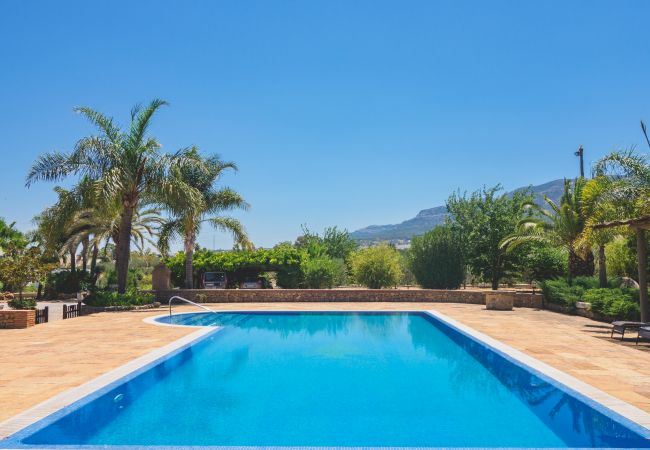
330, 379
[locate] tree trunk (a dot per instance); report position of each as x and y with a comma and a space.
189, 261
642, 256
579, 266
495, 283
93, 263
73, 261
39, 292
123, 250
602, 267
84, 254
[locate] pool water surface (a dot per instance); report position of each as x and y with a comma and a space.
334, 379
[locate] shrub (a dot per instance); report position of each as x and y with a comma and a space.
323, 272
614, 303
112, 298
201, 298
585, 282
18, 303
66, 282
289, 277
540, 262
560, 292
377, 267
435, 259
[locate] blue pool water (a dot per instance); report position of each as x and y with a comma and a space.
334, 379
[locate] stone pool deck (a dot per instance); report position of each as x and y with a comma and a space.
40, 362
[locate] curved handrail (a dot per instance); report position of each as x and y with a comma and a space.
187, 301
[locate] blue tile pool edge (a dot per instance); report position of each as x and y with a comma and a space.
503, 350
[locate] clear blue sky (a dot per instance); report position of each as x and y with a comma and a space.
338, 112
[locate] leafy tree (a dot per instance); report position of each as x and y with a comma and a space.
436, 260
338, 243
19, 267
334, 243
542, 261
482, 221
126, 166
10, 237
186, 222
562, 225
377, 267
323, 272
621, 257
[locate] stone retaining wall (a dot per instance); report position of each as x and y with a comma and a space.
18, 318
344, 295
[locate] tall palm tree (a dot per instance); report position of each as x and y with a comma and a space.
186, 222
561, 225
127, 166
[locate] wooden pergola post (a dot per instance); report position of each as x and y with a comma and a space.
642, 255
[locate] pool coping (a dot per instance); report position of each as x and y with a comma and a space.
631, 417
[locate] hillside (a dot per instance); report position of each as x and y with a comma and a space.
429, 218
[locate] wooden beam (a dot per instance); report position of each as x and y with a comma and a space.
642, 256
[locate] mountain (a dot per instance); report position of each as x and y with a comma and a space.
429, 218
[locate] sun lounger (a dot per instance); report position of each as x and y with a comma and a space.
621, 326
644, 333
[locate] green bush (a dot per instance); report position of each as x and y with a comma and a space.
134, 278
112, 298
435, 259
614, 303
25, 303
560, 292
377, 267
323, 272
585, 282
540, 262
66, 282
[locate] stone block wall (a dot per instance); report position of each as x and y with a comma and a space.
342, 295
17, 318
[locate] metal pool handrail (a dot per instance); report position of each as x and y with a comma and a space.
187, 301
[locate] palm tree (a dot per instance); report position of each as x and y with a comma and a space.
99, 226
186, 223
596, 210
53, 222
126, 166
560, 225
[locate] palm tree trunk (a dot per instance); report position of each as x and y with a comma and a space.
84, 254
579, 266
123, 251
189, 262
93, 263
73, 262
602, 267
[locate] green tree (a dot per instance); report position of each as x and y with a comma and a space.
542, 261
126, 166
482, 221
10, 237
185, 222
19, 267
322, 272
377, 267
560, 225
435, 259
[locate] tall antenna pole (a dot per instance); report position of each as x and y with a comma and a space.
580, 153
